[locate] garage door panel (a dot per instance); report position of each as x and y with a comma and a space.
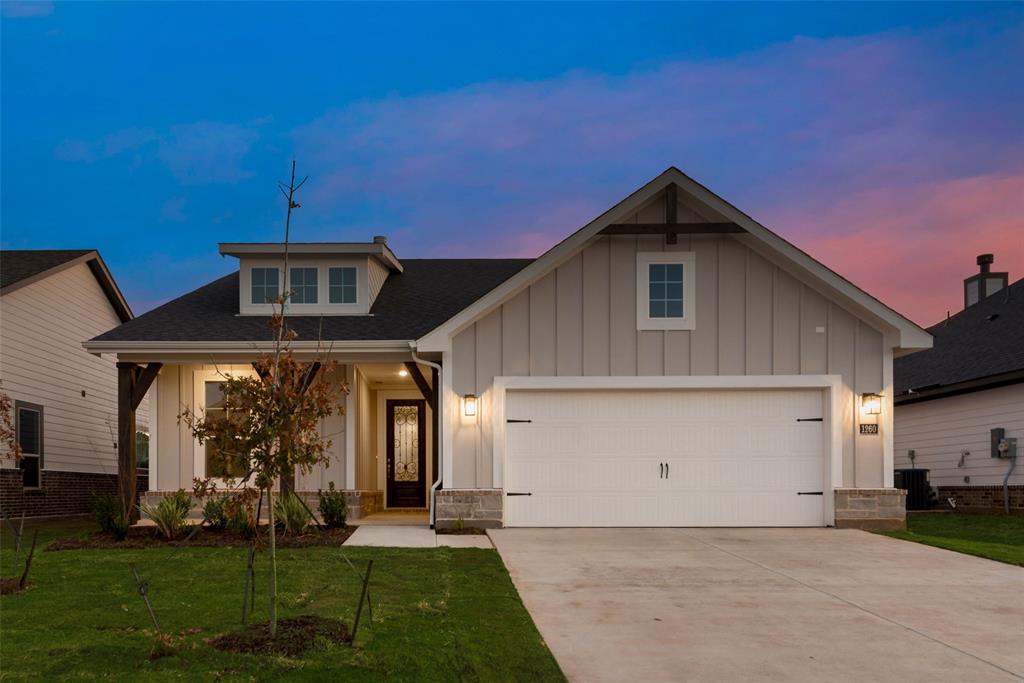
735, 458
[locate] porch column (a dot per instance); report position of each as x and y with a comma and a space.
133, 381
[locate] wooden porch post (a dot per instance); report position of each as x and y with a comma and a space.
133, 381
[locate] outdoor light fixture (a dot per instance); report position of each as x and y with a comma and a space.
469, 405
871, 404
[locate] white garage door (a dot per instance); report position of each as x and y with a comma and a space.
664, 458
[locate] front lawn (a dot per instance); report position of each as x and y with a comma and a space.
438, 614
994, 537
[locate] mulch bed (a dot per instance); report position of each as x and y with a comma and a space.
141, 537
9, 585
466, 531
294, 636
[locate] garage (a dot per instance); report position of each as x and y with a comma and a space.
666, 457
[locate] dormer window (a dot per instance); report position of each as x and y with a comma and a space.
342, 286
265, 286
303, 286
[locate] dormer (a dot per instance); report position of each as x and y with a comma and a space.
325, 278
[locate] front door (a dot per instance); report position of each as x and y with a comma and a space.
407, 453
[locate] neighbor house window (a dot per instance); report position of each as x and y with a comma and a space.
303, 286
265, 286
220, 462
664, 291
342, 283
29, 434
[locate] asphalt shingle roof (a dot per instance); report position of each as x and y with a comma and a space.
19, 264
983, 340
409, 305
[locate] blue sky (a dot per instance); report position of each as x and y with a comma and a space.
152, 131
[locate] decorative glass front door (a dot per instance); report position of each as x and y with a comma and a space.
406, 453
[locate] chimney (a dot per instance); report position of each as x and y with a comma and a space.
984, 283
382, 239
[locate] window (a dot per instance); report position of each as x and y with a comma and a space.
265, 287
29, 434
665, 291
342, 283
665, 281
220, 463
303, 286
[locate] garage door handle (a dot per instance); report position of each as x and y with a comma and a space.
662, 470
810, 493
516, 493
666, 470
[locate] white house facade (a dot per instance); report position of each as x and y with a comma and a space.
672, 363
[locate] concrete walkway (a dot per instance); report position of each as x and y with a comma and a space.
405, 536
766, 605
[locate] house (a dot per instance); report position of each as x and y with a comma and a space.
956, 402
671, 363
64, 399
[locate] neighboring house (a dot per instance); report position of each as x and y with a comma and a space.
64, 399
672, 363
951, 397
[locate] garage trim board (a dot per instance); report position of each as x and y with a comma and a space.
828, 385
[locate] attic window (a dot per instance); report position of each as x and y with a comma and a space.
342, 286
665, 291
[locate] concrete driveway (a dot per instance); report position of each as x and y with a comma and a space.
766, 605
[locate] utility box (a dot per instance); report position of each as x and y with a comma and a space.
1001, 446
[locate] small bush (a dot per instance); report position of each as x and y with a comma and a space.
333, 510
292, 515
215, 512
240, 522
169, 515
106, 510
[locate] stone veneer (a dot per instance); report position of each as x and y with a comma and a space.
61, 494
871, 509
480, 508
982, 498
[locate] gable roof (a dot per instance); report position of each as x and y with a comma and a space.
907, 334
411, 303
977, 348
22, 267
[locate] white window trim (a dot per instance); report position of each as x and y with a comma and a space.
643, 320
199, 380
323, 305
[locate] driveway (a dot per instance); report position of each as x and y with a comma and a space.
766, 605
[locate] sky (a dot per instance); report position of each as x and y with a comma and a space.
886, 140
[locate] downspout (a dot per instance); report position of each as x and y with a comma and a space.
1006, 484
440, 422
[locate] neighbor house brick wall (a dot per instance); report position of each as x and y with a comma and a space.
62, 493
982, 498
480, 508
873, 509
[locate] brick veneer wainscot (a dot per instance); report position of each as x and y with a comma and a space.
62, 493
982, 498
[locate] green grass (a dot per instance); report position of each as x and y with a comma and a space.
438, 614
994, 537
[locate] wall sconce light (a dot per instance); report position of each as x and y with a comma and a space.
469, 405
871, 404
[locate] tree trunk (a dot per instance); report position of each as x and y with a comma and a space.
273, 562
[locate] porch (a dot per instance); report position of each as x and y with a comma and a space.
383, 435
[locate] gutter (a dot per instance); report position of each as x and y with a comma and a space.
440, 437
966, 387
200, 348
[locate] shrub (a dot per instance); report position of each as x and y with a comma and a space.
169, 515
215, 512
240, 521
333, 510
292, 515
106, 510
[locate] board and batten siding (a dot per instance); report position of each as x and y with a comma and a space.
174, 450
42, 327
753, 318
939, 431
